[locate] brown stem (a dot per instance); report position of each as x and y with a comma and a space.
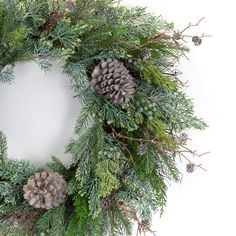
192, 25
123, 145
131, 138
193, 152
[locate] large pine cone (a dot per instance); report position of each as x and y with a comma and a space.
45, 190
113, 80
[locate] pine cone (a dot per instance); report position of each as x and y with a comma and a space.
70, 5
45, 190
112, 79
142, 149
190, 168
106, 202
146, 54
183, 138
196, 40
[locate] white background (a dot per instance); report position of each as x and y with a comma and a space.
38, 112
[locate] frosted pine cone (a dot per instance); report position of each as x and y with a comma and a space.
113, 80
45, 190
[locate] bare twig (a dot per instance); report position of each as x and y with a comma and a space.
191, 25
193, 152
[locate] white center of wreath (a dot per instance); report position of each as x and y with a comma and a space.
38, 113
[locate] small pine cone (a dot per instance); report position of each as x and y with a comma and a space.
70, 5
113, 80
146, 224
106, 202
146, 54
196, 40
183, 138
45, 190
142, 149
190, 168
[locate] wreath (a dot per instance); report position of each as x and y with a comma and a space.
132, 128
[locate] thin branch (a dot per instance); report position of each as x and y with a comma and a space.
200, 166
193, 152
132, 138
124, 146
191, 25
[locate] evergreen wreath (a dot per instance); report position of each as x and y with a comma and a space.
122, 64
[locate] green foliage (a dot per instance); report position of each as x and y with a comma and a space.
115, 115
44, 65
159, 130
82, 212
13, 174
12, 34
106, 171
3, 146
65, 35
154, 75
178, 110
77, 72
166, 165
16, 219
6, 74
55, 165
139, 195
115, 222
9, 230
84, 152
92, 190
174, 108
99, 109
52, 222
80, 222
147, 169
16, 37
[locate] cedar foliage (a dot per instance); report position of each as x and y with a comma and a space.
110, 184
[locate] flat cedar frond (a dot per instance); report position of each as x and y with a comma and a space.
52, 221
3, 146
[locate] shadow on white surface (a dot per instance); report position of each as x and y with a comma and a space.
38, 113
